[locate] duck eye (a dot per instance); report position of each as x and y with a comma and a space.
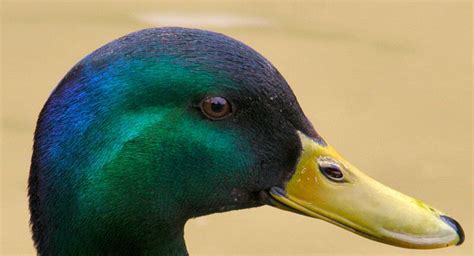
330, 169
215, 108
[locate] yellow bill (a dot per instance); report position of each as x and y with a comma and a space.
327, 187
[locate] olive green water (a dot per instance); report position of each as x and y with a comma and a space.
388, 84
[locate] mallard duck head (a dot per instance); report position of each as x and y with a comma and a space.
163, 125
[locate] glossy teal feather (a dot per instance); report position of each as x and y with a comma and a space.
123, 155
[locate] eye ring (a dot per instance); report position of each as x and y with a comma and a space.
331, 169
215, 107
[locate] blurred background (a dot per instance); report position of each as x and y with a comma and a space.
388, 84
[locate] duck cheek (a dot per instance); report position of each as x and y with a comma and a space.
277, 161
224, 183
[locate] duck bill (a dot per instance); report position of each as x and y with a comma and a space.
326, 186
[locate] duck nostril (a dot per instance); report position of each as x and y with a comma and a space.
332, 173
455, 225
330, 169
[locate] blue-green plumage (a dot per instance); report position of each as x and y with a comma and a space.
123, 156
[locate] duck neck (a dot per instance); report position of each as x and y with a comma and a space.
172, 247
148, 239
163, 239
166, 244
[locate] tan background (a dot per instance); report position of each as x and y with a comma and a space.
389, 84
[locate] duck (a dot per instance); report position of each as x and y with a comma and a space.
168, 124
